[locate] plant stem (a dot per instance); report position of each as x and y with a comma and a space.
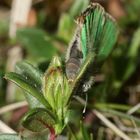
51, 129
52, 134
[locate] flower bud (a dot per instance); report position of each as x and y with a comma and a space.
55, 85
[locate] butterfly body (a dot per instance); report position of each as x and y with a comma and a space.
74, 58
94, 39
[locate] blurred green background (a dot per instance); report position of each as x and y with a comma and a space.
49, 30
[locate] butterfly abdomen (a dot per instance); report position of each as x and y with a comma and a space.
72, 67
74, 59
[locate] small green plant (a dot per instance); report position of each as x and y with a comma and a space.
50, 94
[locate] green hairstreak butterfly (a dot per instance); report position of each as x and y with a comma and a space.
93, 41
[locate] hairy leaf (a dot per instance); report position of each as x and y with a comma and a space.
38, 120
24, 84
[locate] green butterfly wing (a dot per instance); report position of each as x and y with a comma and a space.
98, 35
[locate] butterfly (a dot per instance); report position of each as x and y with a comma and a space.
93, 41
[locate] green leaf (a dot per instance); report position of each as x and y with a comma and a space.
29, 71
36, 42
24, 84
38, 120
32, 101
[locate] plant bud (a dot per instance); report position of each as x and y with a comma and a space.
55, 86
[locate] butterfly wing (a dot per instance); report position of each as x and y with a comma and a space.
92, 21
99, 31
98, 35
